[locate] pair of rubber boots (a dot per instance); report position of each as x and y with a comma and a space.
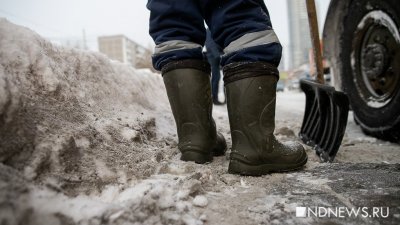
251, 96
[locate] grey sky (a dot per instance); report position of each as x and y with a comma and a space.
60, 19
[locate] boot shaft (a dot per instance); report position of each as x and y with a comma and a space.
251, 95
189, 92
251, 109
251, 99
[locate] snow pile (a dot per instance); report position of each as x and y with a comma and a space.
65, 113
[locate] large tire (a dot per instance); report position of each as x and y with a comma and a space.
366, 63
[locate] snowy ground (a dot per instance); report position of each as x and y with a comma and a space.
84, 140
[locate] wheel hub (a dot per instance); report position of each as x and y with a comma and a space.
376, 55
374, 60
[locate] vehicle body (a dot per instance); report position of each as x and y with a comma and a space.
362, 46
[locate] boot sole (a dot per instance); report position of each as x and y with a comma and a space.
197, 157
237, 167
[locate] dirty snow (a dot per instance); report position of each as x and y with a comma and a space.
86, 140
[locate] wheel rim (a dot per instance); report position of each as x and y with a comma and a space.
376, 59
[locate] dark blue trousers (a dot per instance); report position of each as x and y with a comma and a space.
242, 28
215, 75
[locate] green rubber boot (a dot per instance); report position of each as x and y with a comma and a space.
251, 96
189, 92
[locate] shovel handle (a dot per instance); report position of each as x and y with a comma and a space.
314, 31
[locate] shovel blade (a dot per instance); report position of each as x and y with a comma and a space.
325, 118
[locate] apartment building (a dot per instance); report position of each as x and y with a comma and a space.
120, 48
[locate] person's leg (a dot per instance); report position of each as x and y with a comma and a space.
251, 55
242, 28
213, 56
215, 77
178, 30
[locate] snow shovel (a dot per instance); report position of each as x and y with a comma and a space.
325, 116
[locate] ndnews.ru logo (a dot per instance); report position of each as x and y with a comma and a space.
342, 212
